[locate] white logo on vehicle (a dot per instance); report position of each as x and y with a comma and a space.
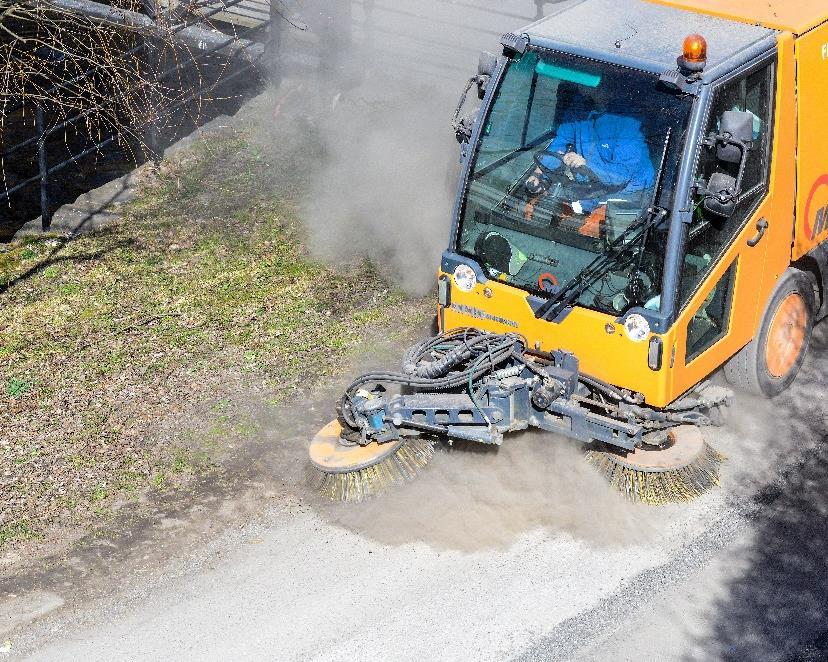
825, 51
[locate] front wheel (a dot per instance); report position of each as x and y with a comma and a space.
771, 362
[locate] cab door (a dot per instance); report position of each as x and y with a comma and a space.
724, 258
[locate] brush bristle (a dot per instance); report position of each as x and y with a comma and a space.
396, 469
660, 488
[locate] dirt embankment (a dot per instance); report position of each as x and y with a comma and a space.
128, 355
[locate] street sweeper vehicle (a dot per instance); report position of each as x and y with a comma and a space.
643, 203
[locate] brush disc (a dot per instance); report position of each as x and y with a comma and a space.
682, 471
330, 456
353, 473
685, 446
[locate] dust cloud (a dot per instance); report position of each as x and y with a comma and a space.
370, 87
472, 498
397, 209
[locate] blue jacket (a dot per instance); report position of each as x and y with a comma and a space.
615, 149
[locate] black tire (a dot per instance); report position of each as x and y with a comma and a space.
748, 370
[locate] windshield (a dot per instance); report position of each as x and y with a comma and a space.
570, 157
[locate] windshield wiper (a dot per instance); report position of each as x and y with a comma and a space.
610, 260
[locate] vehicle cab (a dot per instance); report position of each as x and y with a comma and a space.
626, 191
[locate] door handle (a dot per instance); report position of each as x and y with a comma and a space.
761, 228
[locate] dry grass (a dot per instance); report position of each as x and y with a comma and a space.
203, 286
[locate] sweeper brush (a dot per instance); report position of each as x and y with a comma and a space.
683, 470
476, 386
343, 471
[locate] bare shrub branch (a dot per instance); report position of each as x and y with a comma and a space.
115, 65
100, 70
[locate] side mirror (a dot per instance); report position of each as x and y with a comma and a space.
486, 66
721, 195
735, 136
463, 125
733, 144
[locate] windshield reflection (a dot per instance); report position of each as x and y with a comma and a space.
569, 159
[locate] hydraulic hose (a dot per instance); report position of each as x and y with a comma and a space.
430, 370
474, 352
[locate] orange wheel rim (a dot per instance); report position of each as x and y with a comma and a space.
787, 335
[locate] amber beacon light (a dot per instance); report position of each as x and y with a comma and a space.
694, 55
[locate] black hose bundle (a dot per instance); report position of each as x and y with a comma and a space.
448, 361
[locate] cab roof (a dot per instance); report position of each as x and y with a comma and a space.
650, 35
797, 16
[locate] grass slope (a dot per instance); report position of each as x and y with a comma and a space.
201, 287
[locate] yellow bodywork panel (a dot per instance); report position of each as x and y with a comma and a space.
812, 162
783, 178
601, 345
797, 16
759, 267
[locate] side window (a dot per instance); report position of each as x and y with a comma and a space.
709, 235
752, 95
711, 321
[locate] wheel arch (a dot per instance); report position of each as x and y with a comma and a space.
817, 270
748, 370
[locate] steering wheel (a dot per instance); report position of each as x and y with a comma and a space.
574, 190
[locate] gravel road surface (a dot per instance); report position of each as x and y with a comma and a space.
522, 553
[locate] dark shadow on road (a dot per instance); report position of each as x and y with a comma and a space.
778, 609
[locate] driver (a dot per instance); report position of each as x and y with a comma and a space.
606, 148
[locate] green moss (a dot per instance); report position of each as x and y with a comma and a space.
181, 463
17, 388
99, 493
18, 530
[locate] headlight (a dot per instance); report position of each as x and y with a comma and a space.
637, 328
465, 278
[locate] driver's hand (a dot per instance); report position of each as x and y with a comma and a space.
574, 160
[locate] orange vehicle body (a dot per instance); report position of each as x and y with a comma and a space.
800, 171
795, 208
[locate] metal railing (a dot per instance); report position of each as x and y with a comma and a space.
251, 60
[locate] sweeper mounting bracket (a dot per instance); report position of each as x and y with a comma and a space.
521, 391
476, 386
